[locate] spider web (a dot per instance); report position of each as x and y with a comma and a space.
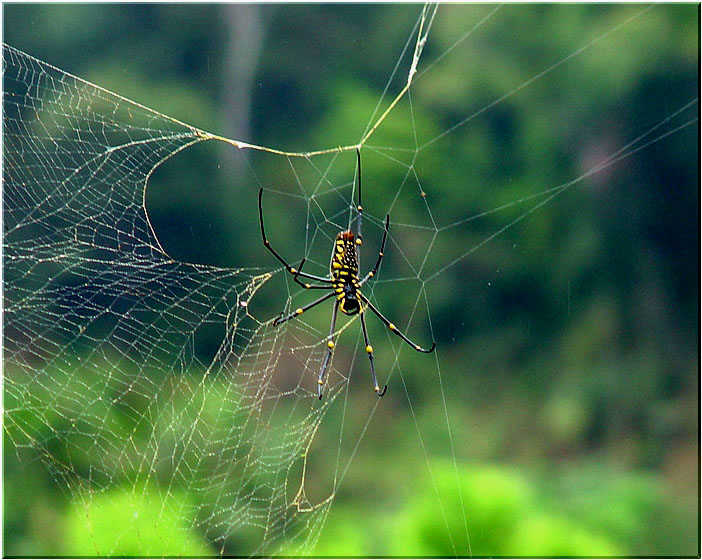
101, 325
86, 280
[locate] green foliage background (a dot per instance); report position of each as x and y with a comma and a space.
568, 344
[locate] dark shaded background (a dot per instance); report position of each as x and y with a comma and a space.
568, 344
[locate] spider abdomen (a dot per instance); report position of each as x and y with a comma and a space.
344, 273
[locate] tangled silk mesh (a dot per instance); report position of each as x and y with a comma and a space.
102, 380
101, 377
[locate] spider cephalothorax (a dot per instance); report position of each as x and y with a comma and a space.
344, 283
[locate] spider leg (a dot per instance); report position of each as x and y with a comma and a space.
267, 244
369, 349
306, 285
359, 207
359, 238
380, 254
359, 210
394, 329
330, 351
300, 310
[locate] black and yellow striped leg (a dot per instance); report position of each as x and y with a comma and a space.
369, 350
359, 207
380, 254
394, 329
307, 285
267, 244
330, 351
300, 310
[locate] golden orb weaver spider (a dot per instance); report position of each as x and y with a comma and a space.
343, 282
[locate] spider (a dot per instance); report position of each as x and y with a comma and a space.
343, 282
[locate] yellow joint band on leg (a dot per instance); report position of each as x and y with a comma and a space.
377, 389
359, 241
320, 381
369, 349
293, 270
298, 311
392, 326
330, 344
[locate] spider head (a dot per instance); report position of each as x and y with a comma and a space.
346, 242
